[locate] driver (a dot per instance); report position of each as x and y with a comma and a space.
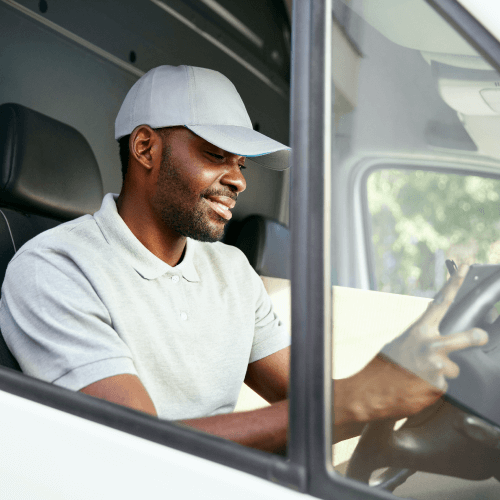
141, 305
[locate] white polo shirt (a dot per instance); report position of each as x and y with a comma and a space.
86, 300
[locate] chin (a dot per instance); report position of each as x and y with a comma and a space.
195, 225
210, 236
208, 233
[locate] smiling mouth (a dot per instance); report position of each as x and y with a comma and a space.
221, 205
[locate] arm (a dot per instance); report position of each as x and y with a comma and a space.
388, 387
269, 376
381, 390
264, 429
410, 372
126, 390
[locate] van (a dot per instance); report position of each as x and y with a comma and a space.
392, 109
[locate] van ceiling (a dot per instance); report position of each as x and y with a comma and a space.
412, 24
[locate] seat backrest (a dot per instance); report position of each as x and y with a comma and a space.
266, 244
48, 175
16, 229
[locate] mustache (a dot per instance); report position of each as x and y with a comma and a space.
220, 192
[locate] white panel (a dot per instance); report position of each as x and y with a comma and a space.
492, 98
467, 97
484, 131
48, 454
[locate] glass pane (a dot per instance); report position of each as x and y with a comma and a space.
421, 218
416, 173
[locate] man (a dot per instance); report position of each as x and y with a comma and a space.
142, 306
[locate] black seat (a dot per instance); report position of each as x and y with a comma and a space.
48, 175
266, 244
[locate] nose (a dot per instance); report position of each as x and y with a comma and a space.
233, 177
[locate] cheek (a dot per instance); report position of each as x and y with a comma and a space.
201, 179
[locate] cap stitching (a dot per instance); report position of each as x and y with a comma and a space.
150, 103
132, 114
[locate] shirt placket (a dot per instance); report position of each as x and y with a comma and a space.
177, 287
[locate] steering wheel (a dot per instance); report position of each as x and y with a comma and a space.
452, 436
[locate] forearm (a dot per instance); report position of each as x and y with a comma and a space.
346, 430
382, 390
367, 396
346, 422
264, 429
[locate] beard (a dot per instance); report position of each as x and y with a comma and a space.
177, 213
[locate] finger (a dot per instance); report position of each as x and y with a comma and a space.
437, 365
458, 341
450, 289
449, 368
439, 306
438, 381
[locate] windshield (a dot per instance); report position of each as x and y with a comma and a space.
415, 184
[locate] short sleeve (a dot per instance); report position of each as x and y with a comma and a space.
55, 324
270, 334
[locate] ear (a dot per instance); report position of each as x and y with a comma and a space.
145, 146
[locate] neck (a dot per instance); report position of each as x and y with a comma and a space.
149, 229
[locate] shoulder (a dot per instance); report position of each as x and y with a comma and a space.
73, 237
51, 261
228, 266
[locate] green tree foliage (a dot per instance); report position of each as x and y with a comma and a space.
420, 218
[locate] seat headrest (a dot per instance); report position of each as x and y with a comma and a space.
46, 167
266, 244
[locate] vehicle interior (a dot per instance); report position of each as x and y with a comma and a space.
413, 181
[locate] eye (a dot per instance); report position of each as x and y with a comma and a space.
219, 157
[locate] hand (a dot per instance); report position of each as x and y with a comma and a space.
423, 351
410, 372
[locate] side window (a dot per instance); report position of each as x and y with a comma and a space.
420, 218
415, 182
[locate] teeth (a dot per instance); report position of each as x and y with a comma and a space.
220, 208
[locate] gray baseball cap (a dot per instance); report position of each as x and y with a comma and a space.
205, 102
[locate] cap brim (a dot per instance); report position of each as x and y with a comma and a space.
247, 142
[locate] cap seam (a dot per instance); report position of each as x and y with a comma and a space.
150, 103
132, 115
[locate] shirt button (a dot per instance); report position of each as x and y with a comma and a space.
175, 278
184, 316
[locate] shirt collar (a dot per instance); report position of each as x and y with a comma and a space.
148, 265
